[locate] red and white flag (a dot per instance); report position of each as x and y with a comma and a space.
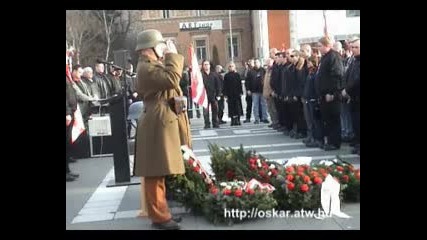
78, 125
198, 91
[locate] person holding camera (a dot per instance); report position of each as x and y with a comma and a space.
163, 128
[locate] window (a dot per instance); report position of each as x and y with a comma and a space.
201, 49
353, 13
235, 47
165, 13
198, 13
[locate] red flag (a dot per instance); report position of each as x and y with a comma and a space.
198, 91
68, 65
78, 125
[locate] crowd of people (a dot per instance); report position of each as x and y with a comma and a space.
86, 89
311, 94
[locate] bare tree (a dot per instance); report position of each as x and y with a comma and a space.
81, 29
116, 23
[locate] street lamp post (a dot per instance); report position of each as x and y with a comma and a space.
231, 36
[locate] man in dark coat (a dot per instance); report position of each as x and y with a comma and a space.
329, 74
233, 92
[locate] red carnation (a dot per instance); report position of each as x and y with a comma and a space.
324, 175
196, 169
250, 191
261, 173
322, 170
339, 168
300, 169
345, 178
304, 188
306, 179
230, 174
252, 160
291, 186
317, 180
227, 191
190, 161
238, 193
314, 173
214, 190
274, 172
290, 169
301, 174
289, 177
253, 166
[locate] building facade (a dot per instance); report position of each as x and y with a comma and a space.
253, 32
206, 30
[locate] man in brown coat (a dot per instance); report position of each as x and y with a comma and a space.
161, 132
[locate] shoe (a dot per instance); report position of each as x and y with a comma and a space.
216, 126
265, 121
177, 219
299, 136
75, 175
328, 147
207, 126
169, 225
247, 120
312, 144
69, 178
222, 122
292, 134
281, 129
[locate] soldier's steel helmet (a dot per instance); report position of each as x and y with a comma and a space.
148, 39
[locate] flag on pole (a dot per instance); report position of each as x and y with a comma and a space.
325, 28
68, 62
198, 91
283, 48
78, 125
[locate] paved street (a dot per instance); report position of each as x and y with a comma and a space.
91, 205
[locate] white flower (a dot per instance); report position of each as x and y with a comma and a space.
269, 173
186, 156
259, 165
223, 184
194, 164
272, 166
241, 183
228, 187
258, 161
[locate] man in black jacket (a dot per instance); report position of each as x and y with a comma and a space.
353, 90
254, 83
70, 108
329, 74
212, 83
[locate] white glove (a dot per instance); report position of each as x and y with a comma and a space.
171, 46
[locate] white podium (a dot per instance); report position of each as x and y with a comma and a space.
99, 126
